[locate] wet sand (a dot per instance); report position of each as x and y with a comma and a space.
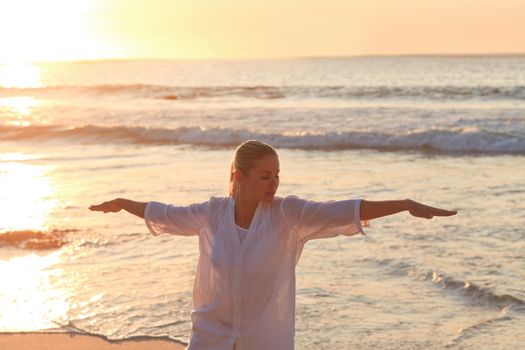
74, 341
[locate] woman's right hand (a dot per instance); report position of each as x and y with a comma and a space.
112, 206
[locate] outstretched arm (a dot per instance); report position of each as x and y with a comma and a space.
116, 205
376, 209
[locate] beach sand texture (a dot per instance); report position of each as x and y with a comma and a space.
72, 341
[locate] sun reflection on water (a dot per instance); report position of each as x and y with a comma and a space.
26, 197
15, 76
31, 298
20, 104
34, 291
20, 75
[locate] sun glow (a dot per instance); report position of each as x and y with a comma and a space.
20, 75
51, 30
33, 300
15, 110
19, 108
26, 197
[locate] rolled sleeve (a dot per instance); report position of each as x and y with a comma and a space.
178, 220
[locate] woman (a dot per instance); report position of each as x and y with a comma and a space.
249, 244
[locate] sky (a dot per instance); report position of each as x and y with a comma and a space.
58, 30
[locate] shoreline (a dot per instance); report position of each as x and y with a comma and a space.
82, 341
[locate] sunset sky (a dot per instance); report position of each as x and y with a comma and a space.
35, 30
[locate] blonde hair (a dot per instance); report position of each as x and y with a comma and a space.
246, 155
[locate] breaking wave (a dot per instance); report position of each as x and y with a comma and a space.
443, 140
470, 292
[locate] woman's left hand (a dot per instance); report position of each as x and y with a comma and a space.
424, 211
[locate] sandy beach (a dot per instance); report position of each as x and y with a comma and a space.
73, 341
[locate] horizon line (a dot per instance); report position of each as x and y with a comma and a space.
253, 58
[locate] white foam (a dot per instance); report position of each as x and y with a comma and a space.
446, 140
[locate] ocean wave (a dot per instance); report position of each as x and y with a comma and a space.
466, 140
477, 294
469, 291
34, 240
478, 326
432, 93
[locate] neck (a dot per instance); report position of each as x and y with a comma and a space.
244, 210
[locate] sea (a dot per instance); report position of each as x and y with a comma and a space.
446, 131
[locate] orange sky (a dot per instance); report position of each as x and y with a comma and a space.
36, 30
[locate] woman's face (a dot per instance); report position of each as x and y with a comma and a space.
263, 179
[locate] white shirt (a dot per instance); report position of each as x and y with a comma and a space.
241, 232
244, 293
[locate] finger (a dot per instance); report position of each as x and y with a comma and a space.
442, 212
